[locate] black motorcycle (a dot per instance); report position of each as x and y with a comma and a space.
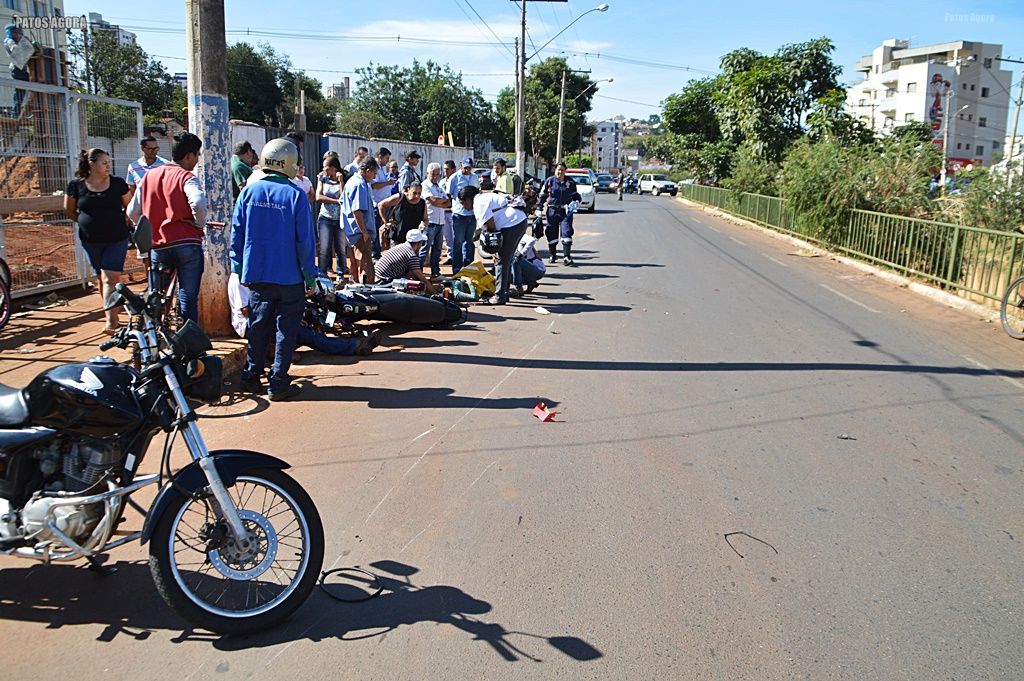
328, 308
235, 544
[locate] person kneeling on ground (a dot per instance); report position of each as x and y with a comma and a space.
527, 266
495, 215
403, 262
238, 297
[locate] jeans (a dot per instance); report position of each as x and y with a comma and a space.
524, 272
510, 238
329, 345
330, 239
188, 261
280, 307
432, 247
449, 234
374, 224
463, 227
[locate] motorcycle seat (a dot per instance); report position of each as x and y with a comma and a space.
13, 406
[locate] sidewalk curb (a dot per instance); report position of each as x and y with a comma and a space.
956, 302
232, 353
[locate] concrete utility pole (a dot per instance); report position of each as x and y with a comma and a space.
205, 50
561, 121
521, 104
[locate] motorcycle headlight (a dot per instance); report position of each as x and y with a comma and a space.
189, 342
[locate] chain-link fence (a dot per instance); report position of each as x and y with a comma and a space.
42, 129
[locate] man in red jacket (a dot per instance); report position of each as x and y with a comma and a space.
171, 198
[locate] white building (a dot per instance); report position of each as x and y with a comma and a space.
341, 90
903, 84
1018, 147
606, 145
97, 23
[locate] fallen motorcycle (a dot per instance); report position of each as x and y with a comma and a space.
328, 307
235, 544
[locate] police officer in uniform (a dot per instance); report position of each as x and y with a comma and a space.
558, 192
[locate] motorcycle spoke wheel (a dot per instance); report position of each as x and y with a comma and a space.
5, 303
240, 587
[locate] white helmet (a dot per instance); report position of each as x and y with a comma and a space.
279, 156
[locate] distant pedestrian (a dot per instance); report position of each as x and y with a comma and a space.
96, 200
330, 236
172, 199
437, 203
409, 174
463, 222
20, 50
272, 248
362, 153
357, 220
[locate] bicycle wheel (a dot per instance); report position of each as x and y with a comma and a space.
5, 274
1011, 311
5, 303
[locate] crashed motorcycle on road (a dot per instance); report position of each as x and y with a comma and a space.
235, 544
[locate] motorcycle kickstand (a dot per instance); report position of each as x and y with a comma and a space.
97, 566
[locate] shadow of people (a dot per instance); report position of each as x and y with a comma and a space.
413, 398
403, 603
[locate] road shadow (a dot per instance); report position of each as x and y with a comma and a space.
577, 275
629, 265
606, 211
411, 398
404, 603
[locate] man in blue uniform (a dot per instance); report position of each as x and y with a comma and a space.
559, 191
272, 249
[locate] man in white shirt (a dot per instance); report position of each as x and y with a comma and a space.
353, 167
527, 266
20, 49
494, 214
437, 203
449, 228
150, 159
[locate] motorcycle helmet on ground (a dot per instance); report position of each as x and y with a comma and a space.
490, 242
280, 156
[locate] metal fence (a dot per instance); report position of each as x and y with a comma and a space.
973, 262
42, 129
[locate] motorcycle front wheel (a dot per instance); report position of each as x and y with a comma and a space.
231, 588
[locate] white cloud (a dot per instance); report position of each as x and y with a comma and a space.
586, 46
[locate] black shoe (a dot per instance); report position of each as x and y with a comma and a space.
569, 261
286, 393
516, 292
530, 288
366, 344
554, 259
252, 385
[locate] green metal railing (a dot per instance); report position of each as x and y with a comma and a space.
967, 260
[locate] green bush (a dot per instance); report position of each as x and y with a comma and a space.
820, 183
751, 173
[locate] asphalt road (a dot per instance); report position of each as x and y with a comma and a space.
864, 441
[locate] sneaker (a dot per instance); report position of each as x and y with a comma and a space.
495, 300
366, 343
554, 259
252, 385
569, 261
515, 292
286, 393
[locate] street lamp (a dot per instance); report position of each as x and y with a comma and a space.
561, 109
521, 77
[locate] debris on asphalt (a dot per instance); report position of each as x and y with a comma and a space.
845, 436
26, 351
804, 253
729, 534
541, 411
541, 310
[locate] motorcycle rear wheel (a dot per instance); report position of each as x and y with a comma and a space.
230, 589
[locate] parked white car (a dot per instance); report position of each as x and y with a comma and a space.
586, 187
656, 184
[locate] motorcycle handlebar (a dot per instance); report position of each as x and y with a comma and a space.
109, 344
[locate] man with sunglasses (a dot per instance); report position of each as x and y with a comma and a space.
150, 159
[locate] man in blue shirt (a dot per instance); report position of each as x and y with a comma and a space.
272, 250
463, 221
357, 219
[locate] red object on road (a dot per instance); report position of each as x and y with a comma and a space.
541, 412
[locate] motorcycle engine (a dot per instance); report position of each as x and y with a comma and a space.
76, 466
76, 522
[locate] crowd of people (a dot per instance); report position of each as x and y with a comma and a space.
368, 221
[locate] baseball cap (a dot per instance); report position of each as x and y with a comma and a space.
415, 235
468, 162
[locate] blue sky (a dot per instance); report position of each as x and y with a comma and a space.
673, 32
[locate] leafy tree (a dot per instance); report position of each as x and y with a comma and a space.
576, 159
254, 87
819, 180
988, 199
420, 101
693, 110
895, 174
827, 119
122, 71
920, 131
751, 173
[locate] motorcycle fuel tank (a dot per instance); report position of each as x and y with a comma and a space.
94, 398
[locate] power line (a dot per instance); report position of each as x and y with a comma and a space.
486, 25
629, 101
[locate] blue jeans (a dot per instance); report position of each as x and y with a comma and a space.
432, 247
188, 261
373, 224
329, 345
510, 238
524, 272
273, 306
463, 226
330, 239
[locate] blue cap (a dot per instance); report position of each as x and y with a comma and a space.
468, 162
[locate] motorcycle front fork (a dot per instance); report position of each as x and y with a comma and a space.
197, 448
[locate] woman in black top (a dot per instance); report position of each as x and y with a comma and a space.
97, 202
403, 212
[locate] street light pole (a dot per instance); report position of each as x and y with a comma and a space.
945, 139
521, 103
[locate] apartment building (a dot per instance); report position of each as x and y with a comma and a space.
606, 145
902, 83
